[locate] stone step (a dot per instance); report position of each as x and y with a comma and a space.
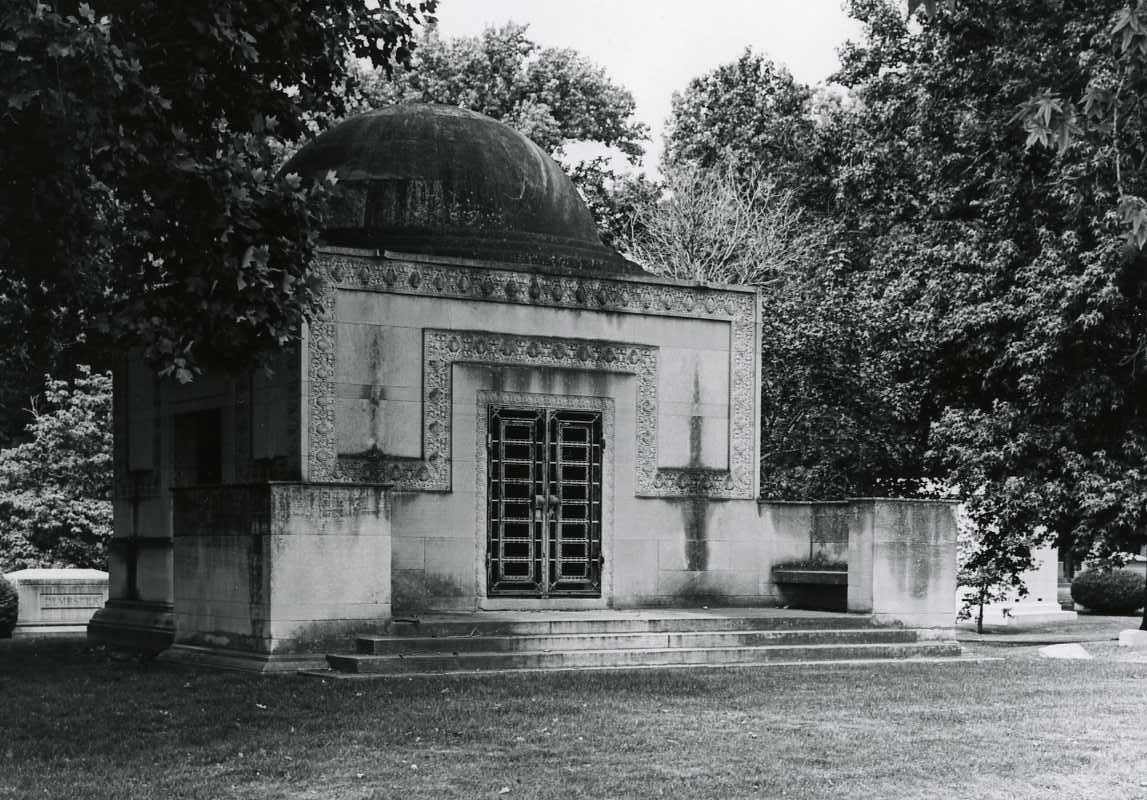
639, 657
408, 645
481, 626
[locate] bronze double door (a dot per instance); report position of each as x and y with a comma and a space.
544, 503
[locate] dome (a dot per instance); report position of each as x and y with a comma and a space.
441, 180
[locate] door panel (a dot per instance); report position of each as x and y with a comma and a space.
515, 546
544, 520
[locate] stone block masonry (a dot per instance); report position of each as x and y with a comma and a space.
901, 554
266, 574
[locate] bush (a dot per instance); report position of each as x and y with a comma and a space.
9, 607
820, 562
814, 562
1108, 590
55, 488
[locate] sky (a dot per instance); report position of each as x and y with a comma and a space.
654, 47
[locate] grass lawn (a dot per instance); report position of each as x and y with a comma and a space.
77, 724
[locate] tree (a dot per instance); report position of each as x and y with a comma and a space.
613, 199
138, 200
554, 96
985, 294
842, 411
55, 489
830, 426
1035, 305
753, 116
709, 224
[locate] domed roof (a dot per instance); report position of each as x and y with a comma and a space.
442, 180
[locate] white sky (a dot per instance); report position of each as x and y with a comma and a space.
654, 47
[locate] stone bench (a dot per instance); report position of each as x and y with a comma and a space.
815, 589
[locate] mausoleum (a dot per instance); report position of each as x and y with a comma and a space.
493, 410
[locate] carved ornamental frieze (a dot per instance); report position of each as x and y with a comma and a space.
443, 348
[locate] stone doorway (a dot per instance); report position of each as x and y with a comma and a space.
544, 502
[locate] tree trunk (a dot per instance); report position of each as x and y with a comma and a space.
1143, 624
980, 615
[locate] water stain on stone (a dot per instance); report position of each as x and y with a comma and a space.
695, 509
377, 431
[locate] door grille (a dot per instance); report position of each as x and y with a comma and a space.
544, 496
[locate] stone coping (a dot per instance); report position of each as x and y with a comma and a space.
56, 575
548, 269
851, 500
200, 487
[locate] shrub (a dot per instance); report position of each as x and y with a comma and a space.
1108, 590
820, 561
9, 607
55, 488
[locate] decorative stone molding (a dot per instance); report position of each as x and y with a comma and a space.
521, 287
487, 398
262, 509
443, 348
322, 455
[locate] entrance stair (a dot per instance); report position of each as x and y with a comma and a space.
437, 643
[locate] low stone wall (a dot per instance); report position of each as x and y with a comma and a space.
901, 554
57, 601
803, 531
902, 561
270, 573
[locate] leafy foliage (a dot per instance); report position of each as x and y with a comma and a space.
983, 319
615, 200
1109, 113
55, 490
1111, 590
843, 412
9, 607
554, 96
832, 422
817, 562
750, 115
137, 153
1024, 302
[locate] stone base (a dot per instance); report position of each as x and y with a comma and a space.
45, 631
279, 568
1025, 614
240, 661
134, 625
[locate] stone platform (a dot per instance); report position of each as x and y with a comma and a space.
604, 639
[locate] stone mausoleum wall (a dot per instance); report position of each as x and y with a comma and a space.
270, 515
215, 431
413, 352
